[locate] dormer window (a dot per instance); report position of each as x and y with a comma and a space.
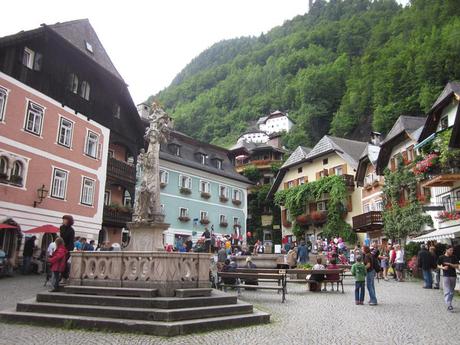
218, 164
203, 158
85, 90
174, 149
89, 47
32, 59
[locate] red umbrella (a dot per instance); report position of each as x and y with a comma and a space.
47, 229
7, 226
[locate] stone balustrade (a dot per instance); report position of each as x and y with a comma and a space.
156, 270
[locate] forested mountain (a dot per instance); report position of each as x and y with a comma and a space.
345, 67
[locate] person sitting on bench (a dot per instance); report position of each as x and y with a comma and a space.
250, 264
228, 267
318, 278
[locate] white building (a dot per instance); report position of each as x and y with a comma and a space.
276, 122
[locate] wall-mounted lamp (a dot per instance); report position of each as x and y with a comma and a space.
41, 194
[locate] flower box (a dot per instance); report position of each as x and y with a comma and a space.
205, 195
426, 164
162, 185
204, 221
236, 202
303, 219
445, 216
184, 190
184, 219
223, 224
318, 216
223, 198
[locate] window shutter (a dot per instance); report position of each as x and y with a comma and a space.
285, 185
331, 171
318, 176
349, 204
344, 168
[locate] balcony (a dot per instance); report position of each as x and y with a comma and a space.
442, 177
116, 217
121, 171
349, 180
368, 221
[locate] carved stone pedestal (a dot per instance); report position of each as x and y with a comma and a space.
146, 236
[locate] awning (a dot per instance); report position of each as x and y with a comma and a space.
425, 141
438, 234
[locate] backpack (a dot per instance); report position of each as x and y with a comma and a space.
376, 264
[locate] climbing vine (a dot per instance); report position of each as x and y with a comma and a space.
403, 214
297, 199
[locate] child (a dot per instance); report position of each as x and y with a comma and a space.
58, 263
358, 270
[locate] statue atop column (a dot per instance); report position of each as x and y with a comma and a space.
147, 207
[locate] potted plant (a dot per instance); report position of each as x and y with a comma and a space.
205, 195
223, 198
318, 216
303, 219
162, 185
223, 224
184, 219
445, 216
204, 221
184, 190
236, 202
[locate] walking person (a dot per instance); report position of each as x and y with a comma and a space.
358, 270
27, 254
448, 263
302, 253
370, 263
426, 261
58, 263
437, 271
67, 233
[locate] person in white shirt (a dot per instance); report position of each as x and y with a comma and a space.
51, 249
399, 261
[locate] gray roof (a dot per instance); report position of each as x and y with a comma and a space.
251, 146
299, 155
451, 87
188, 156
408, 124
262, 120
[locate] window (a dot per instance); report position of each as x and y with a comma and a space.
34, 119
203, 158
205, 187
290, 184
174, 149
111, 153
223, 191
325, 161
73, 83
366, 208
65, 132
203, 215
185, 181
87, 192
379, 205
85, 90
59, 184
3, 96
218, 164
299, 170
321, 206
92, 140
127, 201
89, 47
237, 195
183, 212
338, 170
107, 197
222, 219
444, 122
301, 180
3, 166
31, 59
17, 169
117, 111
164, 176
236, 221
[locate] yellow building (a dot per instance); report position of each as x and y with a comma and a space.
330, 156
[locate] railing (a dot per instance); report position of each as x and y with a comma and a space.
367, 220
116, 217
256, 162
120, 170
349, 180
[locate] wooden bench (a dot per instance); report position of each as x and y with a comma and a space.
240, 277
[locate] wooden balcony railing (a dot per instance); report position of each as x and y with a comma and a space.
120, 170
368, 221
115, 217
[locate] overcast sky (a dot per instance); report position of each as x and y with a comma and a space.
151, 41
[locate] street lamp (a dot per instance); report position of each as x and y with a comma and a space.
41, 194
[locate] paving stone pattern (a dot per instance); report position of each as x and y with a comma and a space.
406, 314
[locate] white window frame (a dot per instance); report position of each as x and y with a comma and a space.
3, 101
206, 215
203, 158
73, 83
366, 208
225, 189
88, 134
130, 204
378, 205
30, 61
185, 214
337, 169
107, 200
219, 164
239, 193
301, 180
236, 221
164, 176
87, 195
222, 219
85, 90
188, 181
65, 182
38, 112
323, 206
290, 184
207, 186
61, 119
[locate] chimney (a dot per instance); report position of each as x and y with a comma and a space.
376, 138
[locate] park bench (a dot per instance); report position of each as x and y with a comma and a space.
240, 277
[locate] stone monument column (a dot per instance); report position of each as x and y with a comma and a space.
147, 227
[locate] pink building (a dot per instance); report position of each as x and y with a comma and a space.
45, 144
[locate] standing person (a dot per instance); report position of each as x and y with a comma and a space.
369, 262
67, 233
384, 262
392, 256
399, 261
437, 271
27, 254
358, 270
302, 253
58, 263
258, 248
207, 240
448, 263
292, 258
426, 261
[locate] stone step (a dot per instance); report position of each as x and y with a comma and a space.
110, 291
149, 314
216, 298
136, 326
199, 292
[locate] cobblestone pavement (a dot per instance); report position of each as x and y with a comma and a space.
406, 314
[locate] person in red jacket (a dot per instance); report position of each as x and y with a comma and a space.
58, 263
